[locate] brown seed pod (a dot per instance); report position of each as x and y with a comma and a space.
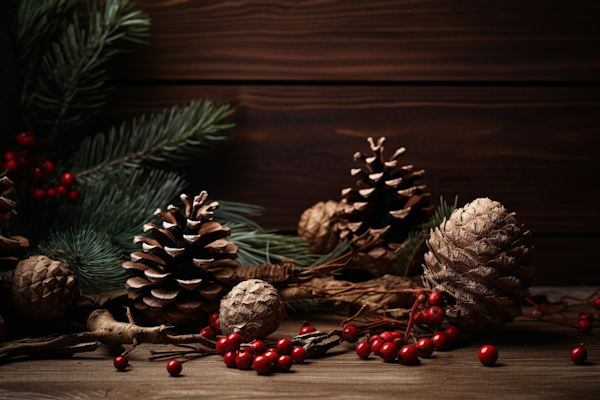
253, 309
318, 227
43, 288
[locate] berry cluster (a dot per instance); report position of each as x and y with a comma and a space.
586, 319
36, 174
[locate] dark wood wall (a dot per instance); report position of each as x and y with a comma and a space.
492, 98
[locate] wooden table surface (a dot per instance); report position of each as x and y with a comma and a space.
534, 363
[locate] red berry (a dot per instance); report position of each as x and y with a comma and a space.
307, 329
48, 167
222, 346
584, 325
579, 354
596, 303
376, 346
9, 155
363, 349
436, 298
121, 363
262, 365
586, 315
272, 355
208, 333
67, 179
425, 347
229, 358
234, 341
217, 326
350, 334
62, 191
73, 195
38, 173
244, 359
453, 333
212, 318
387, 336
420, 318
408, 355
373, 338
399, 342
11, 166
26, 140
23, 163
488, 354
440, 341
396, 335
174, 367
285, 346
435, 315
389, 352
284, 363
299, 354
39, 194
51, 193
258, 346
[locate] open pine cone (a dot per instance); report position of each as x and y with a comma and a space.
480, 258
184, 270
12, 248
388, 201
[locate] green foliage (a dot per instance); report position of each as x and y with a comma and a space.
173, 137
407, 253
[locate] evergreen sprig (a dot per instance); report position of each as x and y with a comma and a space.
174, 137
416, 239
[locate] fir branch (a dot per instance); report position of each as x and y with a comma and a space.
71, 83
175, 136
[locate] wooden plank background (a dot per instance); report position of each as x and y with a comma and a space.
491, 99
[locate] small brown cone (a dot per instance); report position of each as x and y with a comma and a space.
43, 288
12, 248
317, 227
480, 259
253, 309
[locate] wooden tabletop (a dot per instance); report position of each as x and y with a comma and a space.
534, 363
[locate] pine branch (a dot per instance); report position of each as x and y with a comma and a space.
175, 136
71, 84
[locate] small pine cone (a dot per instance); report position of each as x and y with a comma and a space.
317, 227
185, 268
387, 199
43, 288
12, 248
480, 258
253, 309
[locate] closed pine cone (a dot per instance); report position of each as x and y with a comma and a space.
184, 269
253, 309
480, 259
388, 200
43, 288
318, 227
12, 248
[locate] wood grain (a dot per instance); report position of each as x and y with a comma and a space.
381, 40
533, 364
536, 150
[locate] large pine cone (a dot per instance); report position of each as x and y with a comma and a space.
12, 248
253, 309
388, 200
43, 288
318, 226
184, 269
480, 259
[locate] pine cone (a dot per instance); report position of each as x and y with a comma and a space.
253, 309
388, 201
480, 259
43, 288
12, 248
317, 227
185, 268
